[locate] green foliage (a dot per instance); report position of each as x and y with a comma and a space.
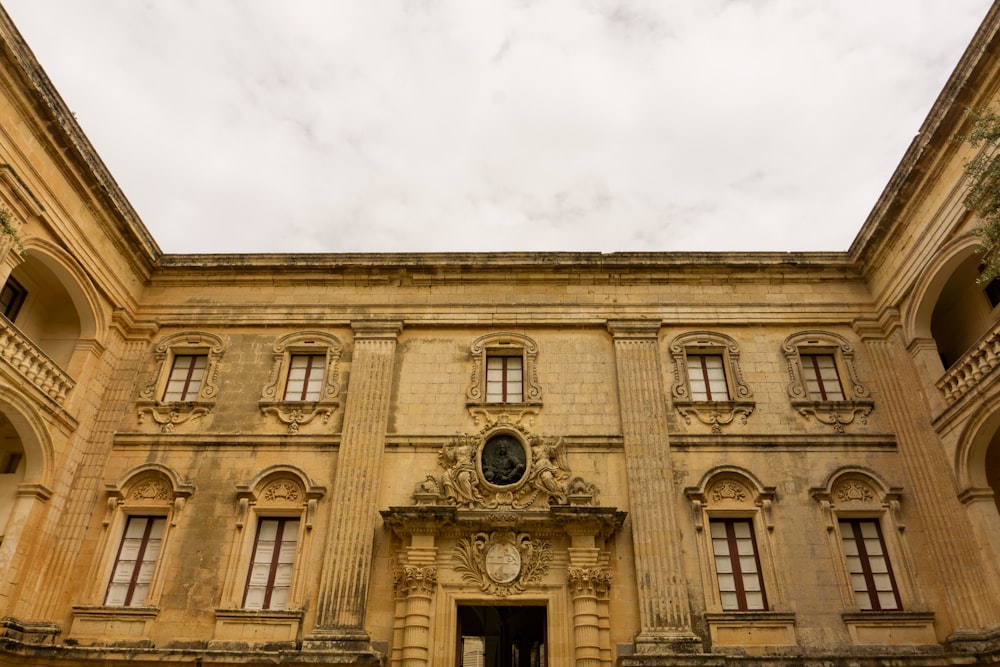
7, 228
982, 195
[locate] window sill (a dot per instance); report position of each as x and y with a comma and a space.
257, 625
837, 414
715, 413
295, 414
168, 415
906, 628
490, 412
751, 629
93, 624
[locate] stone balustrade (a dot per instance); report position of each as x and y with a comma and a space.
976, 363
34, 365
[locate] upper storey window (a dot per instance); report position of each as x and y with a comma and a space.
184, 384
304, 384
186, 374
504, 374
821, 377
707, 376
504, 379
305, 377
708, 384
824, 383
12, 297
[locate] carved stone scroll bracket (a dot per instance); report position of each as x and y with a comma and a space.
837, 414
167, 417
296, 415
716, 414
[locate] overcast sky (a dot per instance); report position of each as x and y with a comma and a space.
479, 125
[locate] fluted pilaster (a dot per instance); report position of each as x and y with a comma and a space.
664, 612
346, 570
949, 534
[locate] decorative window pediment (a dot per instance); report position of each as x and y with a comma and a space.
304, 384
504, 375
824, 383
184, 385
142, 509
732, 513
708, 383
865, 526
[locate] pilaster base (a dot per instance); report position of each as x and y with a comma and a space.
343, 642
986, 640
29, 632
667, 643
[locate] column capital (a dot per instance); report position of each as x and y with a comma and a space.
640, 329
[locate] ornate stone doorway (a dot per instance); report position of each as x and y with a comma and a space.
501, 636
503, 555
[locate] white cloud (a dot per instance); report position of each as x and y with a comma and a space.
441, 125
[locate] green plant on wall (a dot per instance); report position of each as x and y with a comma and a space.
982, 195
7, 228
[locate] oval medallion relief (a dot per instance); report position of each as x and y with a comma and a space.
503, 460
503, 563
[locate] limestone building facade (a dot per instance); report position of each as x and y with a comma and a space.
560, 459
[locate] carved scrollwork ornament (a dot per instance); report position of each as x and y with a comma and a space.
502, 467
729, 490
502, 563
151, 490
282, 491
852, 491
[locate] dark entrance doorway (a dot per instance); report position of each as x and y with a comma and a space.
501, 636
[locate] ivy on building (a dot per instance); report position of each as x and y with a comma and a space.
982, 195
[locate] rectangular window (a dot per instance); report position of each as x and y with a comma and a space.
135, 561
707, 376
185, 378
819, 371
504, 382
737, 565
11, 298
868, 564
270, 576
305, 377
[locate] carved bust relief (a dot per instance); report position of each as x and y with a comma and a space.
503, 460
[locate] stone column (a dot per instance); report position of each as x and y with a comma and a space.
664, 613
347, 559
417, 582
929, 474
587, 585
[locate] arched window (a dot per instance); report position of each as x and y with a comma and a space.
264, 593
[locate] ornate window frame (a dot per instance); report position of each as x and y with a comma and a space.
168, 414
857, 403
148, 490
504, 343
854, 492
712, 413
729, 492
295, 414
278, 491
